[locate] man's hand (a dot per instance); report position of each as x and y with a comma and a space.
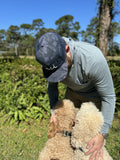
52, 119
95, 147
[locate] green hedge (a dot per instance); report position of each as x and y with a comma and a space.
23, 92
115, 71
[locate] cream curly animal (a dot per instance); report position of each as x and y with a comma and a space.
88, 123
58, 146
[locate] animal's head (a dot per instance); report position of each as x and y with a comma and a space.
64, 114
88, 122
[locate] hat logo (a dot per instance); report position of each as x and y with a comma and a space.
51, 67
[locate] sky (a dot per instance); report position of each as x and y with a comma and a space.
17, 12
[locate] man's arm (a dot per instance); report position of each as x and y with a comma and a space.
53, 94
102, 79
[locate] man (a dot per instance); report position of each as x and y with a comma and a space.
83, 68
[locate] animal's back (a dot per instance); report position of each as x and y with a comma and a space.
57, 147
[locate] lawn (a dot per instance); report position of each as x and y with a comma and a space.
113, 141
25, 141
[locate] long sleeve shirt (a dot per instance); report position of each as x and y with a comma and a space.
89, 76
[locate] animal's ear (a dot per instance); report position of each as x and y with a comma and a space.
53, 128
71, 125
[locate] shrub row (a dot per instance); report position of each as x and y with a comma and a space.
115, 71
23, 92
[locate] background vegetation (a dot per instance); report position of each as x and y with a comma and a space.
101, 31
23, 90
24, 103
24, 110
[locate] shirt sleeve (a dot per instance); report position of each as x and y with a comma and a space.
53, 93
102, 79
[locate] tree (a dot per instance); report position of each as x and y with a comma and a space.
113, 46
90, 34
115, 50
2, 34
43, 31
25, 37
114, 30
2, 39
26, 28
66, 27
105, 16
37, 24
27, 45
13, 35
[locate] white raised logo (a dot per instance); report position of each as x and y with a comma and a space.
51, 67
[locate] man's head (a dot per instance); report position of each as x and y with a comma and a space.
51, 53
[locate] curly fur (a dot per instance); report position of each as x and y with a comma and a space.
88, 122
58, 147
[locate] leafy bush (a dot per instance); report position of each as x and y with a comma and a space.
23, 90
115, 71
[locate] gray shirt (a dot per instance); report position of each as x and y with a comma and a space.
89, 76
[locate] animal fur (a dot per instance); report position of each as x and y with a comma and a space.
58, 147
88, 123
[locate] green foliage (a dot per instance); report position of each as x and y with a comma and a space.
114, 50
115, 71
13, 34
23, 97
21, 40
43, 31
26, 28
2, 34
37, 24
23, 91
66, 27
90, 34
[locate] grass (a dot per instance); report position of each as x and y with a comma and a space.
115, 58
25, 141
113, 141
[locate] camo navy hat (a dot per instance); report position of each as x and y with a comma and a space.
51, 53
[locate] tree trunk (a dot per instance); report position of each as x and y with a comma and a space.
32, 51
104, 26
16, 50
27, 53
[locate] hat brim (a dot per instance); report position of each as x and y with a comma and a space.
56, 75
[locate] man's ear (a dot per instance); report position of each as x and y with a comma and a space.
67, 48
68, 55
68, 52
